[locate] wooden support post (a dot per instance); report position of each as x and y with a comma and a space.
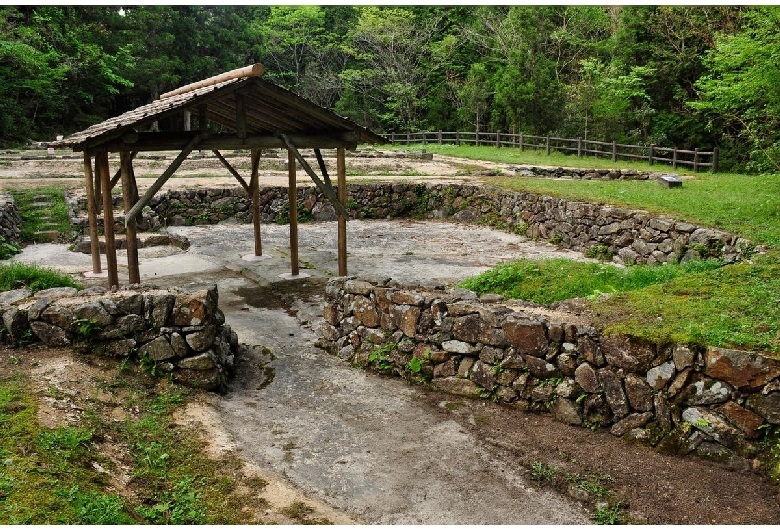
522, 147
293, 200
254, 186
457, 137
715, 160
341, 169
128, 197
108, 218
614, 151
651, 155
548, 145
696, 160
94, 242
674, 158
476, 138
439, 137
498, 140
329, 193
98, 190
579, 146
187, 120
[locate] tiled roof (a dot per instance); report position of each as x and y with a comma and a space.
270, 109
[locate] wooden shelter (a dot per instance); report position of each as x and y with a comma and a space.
252, 113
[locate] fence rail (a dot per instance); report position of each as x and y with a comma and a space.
696, 159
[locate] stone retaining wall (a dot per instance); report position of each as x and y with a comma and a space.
587, 174
679, 398
624, 235
10, 220
176, 331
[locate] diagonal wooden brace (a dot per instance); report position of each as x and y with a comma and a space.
323, 169
233, 172
136, 209
328, 191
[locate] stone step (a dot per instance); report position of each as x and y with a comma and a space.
46, 235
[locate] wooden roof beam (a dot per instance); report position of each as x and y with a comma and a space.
175, 141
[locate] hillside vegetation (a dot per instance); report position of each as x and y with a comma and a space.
684, 76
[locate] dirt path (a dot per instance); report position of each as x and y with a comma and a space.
370, 449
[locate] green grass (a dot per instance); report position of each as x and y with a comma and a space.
15, 275
37, 218
53, 475
698, 302
737, 306
734, 306
551, 280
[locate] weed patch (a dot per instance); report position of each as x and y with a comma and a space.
15, 275
552, 280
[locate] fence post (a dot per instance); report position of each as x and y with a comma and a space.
498, 140
614, 151
579, 146
408, 138
439, 138
715, 160
696, 160
674, 158
392, 137
457, 137
548, 145
476, 138
522, 147
424, 133
651, 154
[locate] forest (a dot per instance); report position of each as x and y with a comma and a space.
676, 76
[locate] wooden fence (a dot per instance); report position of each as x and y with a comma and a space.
696, 159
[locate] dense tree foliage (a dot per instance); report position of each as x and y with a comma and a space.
689, 76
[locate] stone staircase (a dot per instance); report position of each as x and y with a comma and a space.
49, 232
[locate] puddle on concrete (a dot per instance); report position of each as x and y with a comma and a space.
282, 295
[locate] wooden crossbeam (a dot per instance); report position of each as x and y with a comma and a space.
169, 141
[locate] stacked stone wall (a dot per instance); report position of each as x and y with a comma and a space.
680, 398
627, 236
587, 174
10, 220
179, 331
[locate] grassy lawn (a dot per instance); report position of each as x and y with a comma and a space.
734, 306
